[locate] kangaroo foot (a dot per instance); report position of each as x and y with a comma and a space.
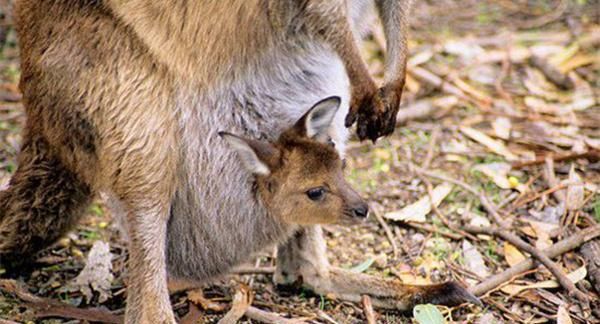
384, 293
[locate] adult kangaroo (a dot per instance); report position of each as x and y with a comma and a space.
129, 97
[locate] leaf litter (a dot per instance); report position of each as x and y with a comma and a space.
477, 87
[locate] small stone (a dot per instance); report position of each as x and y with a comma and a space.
64, 242
418, 238
368, 237
385, 168
77, 252
381, 261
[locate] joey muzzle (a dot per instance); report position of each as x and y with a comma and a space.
361, 210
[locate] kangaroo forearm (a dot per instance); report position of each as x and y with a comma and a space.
394, 15
329, 20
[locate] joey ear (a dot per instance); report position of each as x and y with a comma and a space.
316, 122
255, 155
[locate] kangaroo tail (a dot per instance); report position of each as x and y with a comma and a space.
44, 199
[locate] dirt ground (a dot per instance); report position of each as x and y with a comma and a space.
501, 126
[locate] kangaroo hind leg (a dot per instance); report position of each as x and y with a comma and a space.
43, 201
303, 260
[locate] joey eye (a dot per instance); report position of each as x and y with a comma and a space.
316, 194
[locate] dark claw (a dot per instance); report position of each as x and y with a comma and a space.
375, 116
451, 294
350, 119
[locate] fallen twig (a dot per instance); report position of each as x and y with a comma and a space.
506, 66
50, 308
552, 73
241, 302
540, 21
591, 254
424, 108
266, 317
368, 310
551, 179
536, 196
3, 321
539, 255
592, 155
430, 148
431, 229
386, 229
444, 85
555, 250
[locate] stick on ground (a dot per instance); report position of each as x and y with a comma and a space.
539, 255
368, 310
386, 229
51, 308
270, 318
555, 250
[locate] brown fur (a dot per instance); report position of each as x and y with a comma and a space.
125, 97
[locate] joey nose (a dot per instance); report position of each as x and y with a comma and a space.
361, 211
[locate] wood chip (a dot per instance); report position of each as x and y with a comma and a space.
417, 212
493, 145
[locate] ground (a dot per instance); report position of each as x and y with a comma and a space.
501, 120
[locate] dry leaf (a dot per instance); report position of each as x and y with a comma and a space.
488, 318
562, 316
536, 84
512, 254
495, 146
480, 221
467, 88
548, 217
574, 276
419, 58
417, 211
497, 172
575, 193
96, 275
542, 233
517, 54
473, 260
565, 55
541, 106
196, 296
484, 74
465, 50
502, 127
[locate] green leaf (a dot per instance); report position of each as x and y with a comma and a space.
597, 210
96, 209
363, 266
428, 314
